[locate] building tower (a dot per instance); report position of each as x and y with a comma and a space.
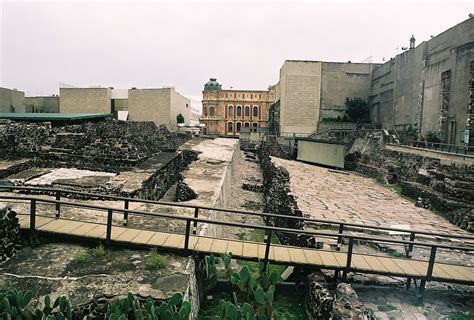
412, 42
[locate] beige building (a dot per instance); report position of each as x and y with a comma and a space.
161, 106
311, 91
429, 87
158, 105
85, 100
225, 112
42, 104
12, 101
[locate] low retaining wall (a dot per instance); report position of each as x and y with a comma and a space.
214, 230
444, 157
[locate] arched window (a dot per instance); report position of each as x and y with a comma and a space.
255, 111
211, 111
230, 111
229, 127
247, 125
204, 112
239, 125
255, 125
239, 111
247, 111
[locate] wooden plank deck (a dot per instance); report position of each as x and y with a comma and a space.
248, 250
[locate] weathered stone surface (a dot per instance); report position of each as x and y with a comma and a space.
184, 192
55, 269
279, 200
433, 185
10, 239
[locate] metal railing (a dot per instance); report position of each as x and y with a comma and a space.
428, 276
342, 225
461, 149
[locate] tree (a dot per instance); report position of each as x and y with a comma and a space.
180, 118
357, 109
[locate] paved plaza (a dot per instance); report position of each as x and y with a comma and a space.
350, 197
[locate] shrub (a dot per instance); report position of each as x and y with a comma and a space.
82, 256
155, 261
357, 109
100, 251
180, 118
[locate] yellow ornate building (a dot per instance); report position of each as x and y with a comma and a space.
225, 112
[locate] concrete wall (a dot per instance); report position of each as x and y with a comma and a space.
150, 105
300, 94
179, 104
12, 101
324, 153
312, 90
340, 81
407, 90
85, 100
42, 104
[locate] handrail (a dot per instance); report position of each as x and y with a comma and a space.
246, 212
242, 225
439, 146
268, 233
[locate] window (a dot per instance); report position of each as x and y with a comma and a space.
211, 111
239, 125
229, 127
230, 110
255, 125
239, 111
255, 111
247, 111
247, 125
251, 96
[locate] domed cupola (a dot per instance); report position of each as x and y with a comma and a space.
212, 85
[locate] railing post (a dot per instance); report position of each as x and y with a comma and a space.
108, 235
58, 206
449, 148
349, 259
431, 263
457, 149
125, 213
339, 239
410, 246
268, 239
186, 236
32, 216
195, 223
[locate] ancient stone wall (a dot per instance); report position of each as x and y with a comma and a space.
155, 187
341, 302
279, 200
113, 143
10, 239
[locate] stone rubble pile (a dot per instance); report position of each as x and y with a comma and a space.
10, 239
339, 303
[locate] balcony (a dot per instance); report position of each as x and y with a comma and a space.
209, 118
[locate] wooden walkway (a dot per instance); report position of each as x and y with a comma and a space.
278, 254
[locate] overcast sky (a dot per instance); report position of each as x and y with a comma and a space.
150, 44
